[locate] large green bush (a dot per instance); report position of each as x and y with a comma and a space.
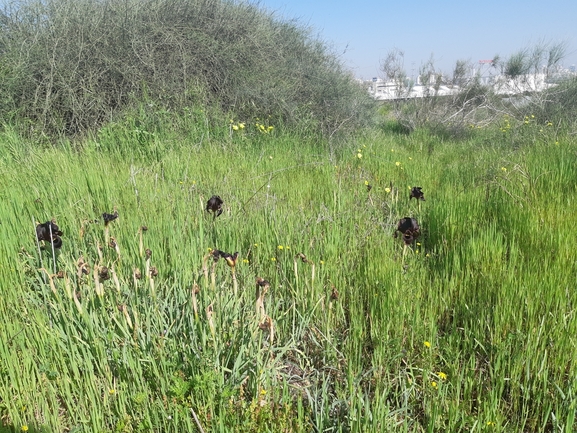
68, 66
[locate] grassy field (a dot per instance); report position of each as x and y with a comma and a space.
472, 328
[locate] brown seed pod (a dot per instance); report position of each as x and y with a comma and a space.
260, 282
103, 273
231, 259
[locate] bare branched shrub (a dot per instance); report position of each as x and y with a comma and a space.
73, 65
559, 105
435, 101
394, 69
528, 83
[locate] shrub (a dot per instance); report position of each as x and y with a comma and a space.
70, 66
528, 83
560, 104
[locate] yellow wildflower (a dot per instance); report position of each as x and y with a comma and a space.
427, 344
442, 376
387, 190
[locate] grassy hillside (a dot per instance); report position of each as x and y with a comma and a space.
120, 120
471, 328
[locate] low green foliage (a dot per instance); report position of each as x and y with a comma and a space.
470, 328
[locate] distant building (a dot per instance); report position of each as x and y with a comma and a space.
502, 85
389, 90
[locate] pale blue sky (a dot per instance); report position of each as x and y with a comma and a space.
366, 30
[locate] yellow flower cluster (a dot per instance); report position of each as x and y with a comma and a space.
237, 126
506, 125
263, 128
526, 120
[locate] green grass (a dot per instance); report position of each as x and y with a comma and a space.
472, 329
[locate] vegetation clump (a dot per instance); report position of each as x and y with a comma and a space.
529, 81
87, 63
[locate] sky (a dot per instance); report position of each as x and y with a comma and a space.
364, 31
